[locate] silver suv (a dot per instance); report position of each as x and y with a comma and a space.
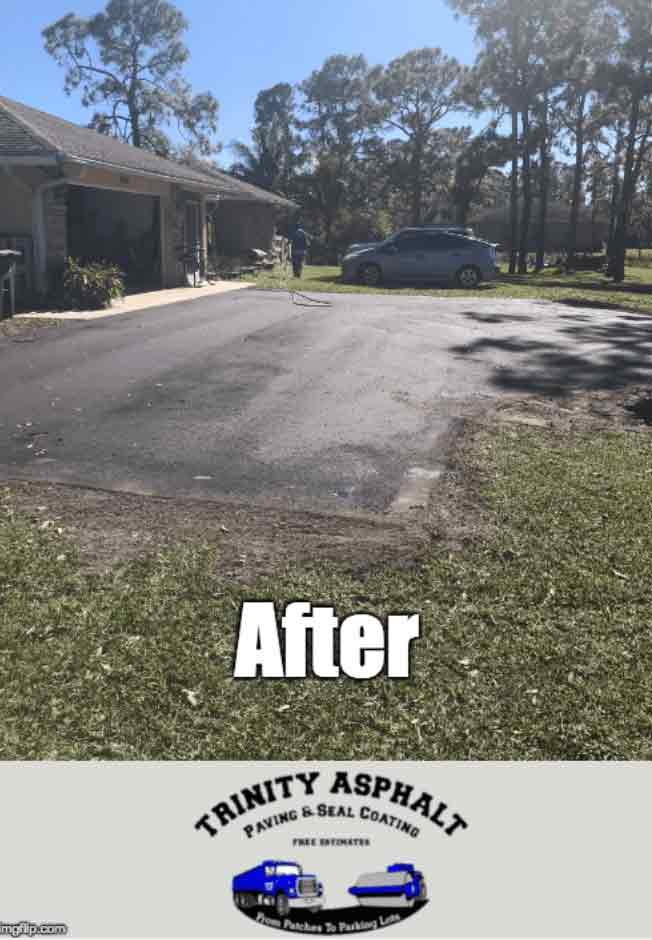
423, 255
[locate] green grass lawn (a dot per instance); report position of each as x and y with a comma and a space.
585, 288
536, 638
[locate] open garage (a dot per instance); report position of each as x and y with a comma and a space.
121, 228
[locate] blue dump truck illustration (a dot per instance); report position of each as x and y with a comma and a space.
401, 885
281, 885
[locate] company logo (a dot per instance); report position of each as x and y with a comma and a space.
336, 852
281, 894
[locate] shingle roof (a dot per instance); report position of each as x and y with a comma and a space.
24, 131
15, 139
229, 187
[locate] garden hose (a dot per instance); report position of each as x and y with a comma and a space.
284, 284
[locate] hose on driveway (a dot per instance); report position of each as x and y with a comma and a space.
305, 300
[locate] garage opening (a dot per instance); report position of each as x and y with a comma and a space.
118, 227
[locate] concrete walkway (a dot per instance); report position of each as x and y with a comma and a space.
135, 302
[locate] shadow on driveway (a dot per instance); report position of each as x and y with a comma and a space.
587, 355
478, 317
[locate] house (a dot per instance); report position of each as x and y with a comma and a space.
66, 190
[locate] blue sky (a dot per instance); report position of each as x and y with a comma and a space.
238, 47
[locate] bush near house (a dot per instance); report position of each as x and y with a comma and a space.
91, 286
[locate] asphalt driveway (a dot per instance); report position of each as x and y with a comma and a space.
249, 396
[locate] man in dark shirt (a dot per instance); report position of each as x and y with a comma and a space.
300, 242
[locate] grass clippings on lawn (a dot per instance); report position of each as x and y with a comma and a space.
536, 624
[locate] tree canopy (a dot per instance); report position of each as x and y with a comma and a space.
126, 62
560, 93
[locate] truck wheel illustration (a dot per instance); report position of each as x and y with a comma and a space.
282, 905
279, 884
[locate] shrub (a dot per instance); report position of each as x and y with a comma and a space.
91, 286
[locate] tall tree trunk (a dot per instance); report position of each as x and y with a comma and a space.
527, 194
328, 234
629, 186
615, 185
417, 183
596, 189
630, 182
513, 197
134, 119
578, 179
544, 184
644, 139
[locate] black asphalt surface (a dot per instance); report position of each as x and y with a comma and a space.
246, 395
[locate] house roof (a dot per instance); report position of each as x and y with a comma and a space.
26, 132
230, 187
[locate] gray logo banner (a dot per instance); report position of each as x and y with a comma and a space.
264, 849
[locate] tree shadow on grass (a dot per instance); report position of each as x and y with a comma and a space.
587, 355
572, 282
546, 282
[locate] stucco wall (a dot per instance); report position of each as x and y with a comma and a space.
244, 225
122, 182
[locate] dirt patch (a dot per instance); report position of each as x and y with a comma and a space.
457, 517
25, 331
626, 409
109, 528
112, 527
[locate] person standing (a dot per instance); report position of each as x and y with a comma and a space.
300, 242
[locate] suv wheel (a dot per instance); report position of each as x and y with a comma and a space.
282, 905
468, 277
371, 275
